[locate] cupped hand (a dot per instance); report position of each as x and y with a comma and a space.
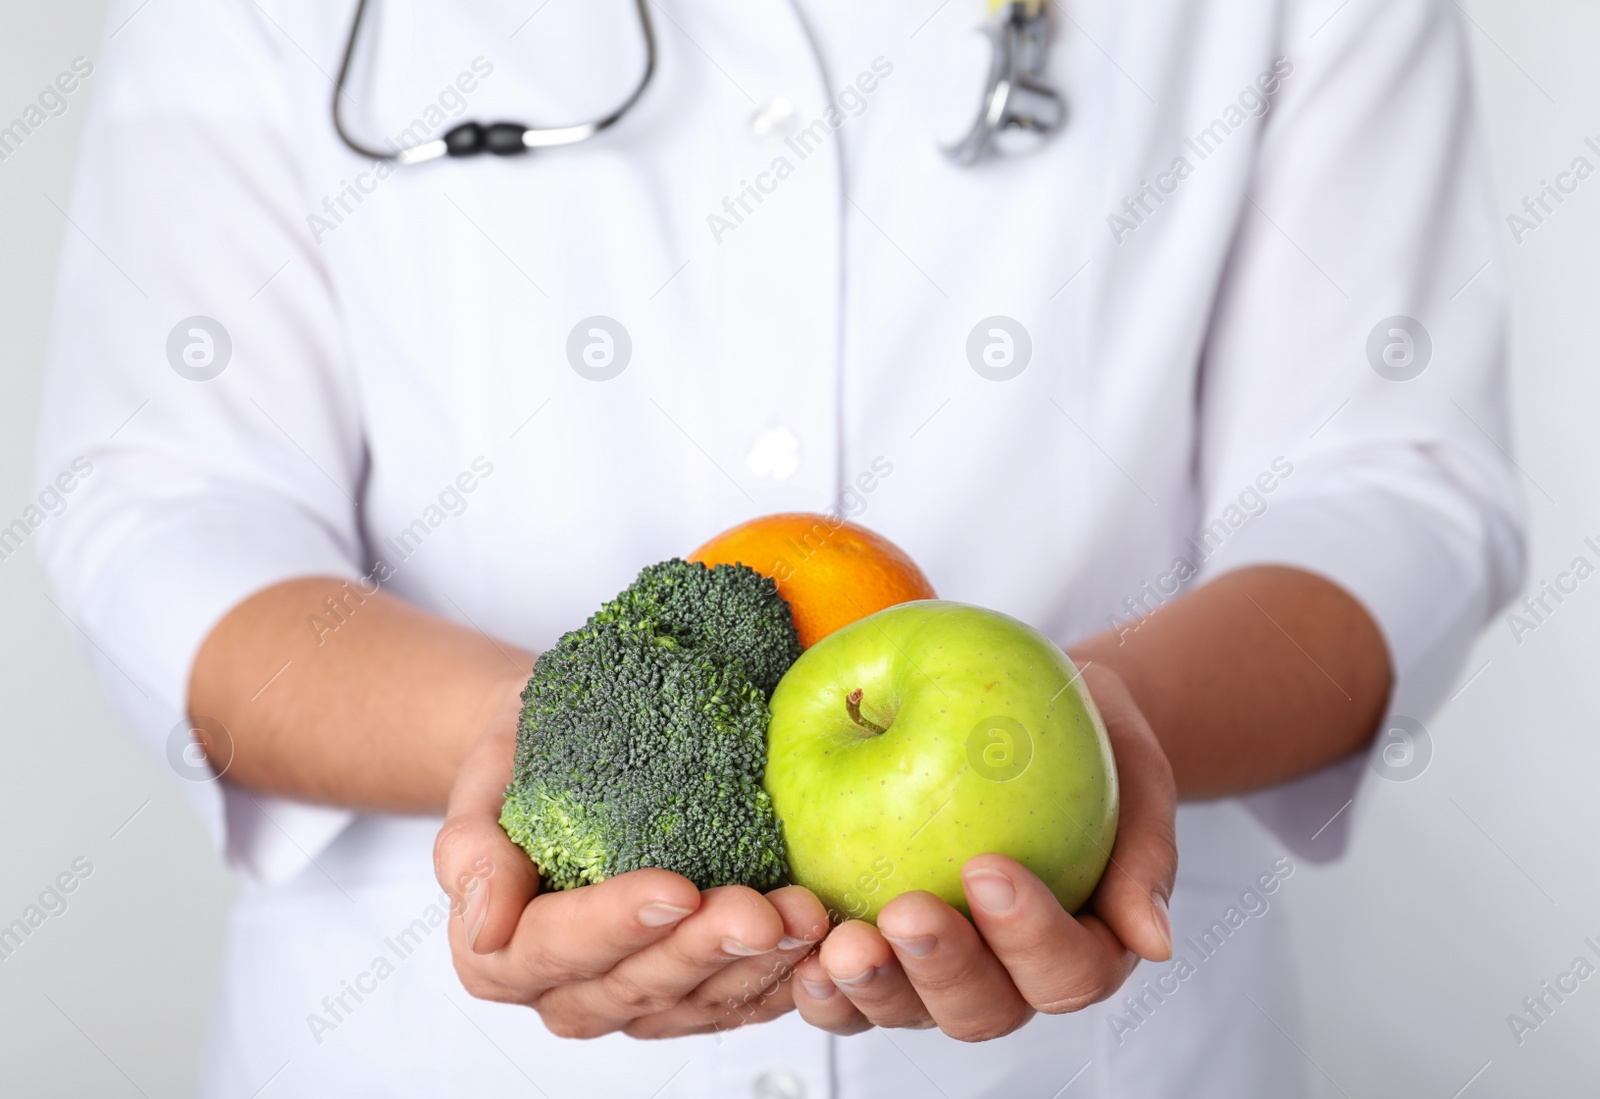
645, 952
926, 965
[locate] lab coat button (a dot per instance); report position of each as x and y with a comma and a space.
775, 454
779, 1084
774, 120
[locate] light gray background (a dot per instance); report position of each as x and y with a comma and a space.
1465, 889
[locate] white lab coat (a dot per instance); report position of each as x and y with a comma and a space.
1196, 267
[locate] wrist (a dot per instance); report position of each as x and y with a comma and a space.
1109, 674
502, 697
1097, 659
499, 702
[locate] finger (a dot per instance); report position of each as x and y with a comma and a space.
683, 1019
680, 1022
1057, 963
862, 966
749, 990
965, 988
732, 923
1133, 894
748, 1009
805, 924
573, 935
819, 1001
490, 879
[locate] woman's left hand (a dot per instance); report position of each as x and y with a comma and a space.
926, 965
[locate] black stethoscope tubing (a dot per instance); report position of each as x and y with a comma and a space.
499, 138
1016, 98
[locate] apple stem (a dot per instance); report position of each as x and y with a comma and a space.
852, 705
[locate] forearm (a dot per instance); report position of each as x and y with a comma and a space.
1259, 676
374, 714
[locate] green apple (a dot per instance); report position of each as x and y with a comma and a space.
906, 743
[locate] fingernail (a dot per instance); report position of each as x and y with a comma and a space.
859, 979
991, 890
740, 950
819, 990
791, 942
656, 914
919, 947
1163, 918
476, 912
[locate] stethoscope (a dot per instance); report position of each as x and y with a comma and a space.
1018, 108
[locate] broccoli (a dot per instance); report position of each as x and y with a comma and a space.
642, 739
726, 608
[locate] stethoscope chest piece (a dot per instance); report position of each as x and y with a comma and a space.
1019, 110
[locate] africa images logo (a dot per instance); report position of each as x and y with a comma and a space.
50, 502
50, 103
199, 348
851, 102
1254, 101
999, 348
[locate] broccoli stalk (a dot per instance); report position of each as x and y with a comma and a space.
642, 739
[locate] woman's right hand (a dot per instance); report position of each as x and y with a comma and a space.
645, 952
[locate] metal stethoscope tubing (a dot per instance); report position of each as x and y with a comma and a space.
499, 138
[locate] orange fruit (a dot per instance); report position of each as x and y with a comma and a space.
831, 571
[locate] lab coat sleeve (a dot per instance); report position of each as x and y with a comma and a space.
190, 495
1369, 201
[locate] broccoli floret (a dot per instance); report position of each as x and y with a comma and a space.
730, 609
642, 739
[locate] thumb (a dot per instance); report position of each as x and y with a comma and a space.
490, 879
1133, 894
